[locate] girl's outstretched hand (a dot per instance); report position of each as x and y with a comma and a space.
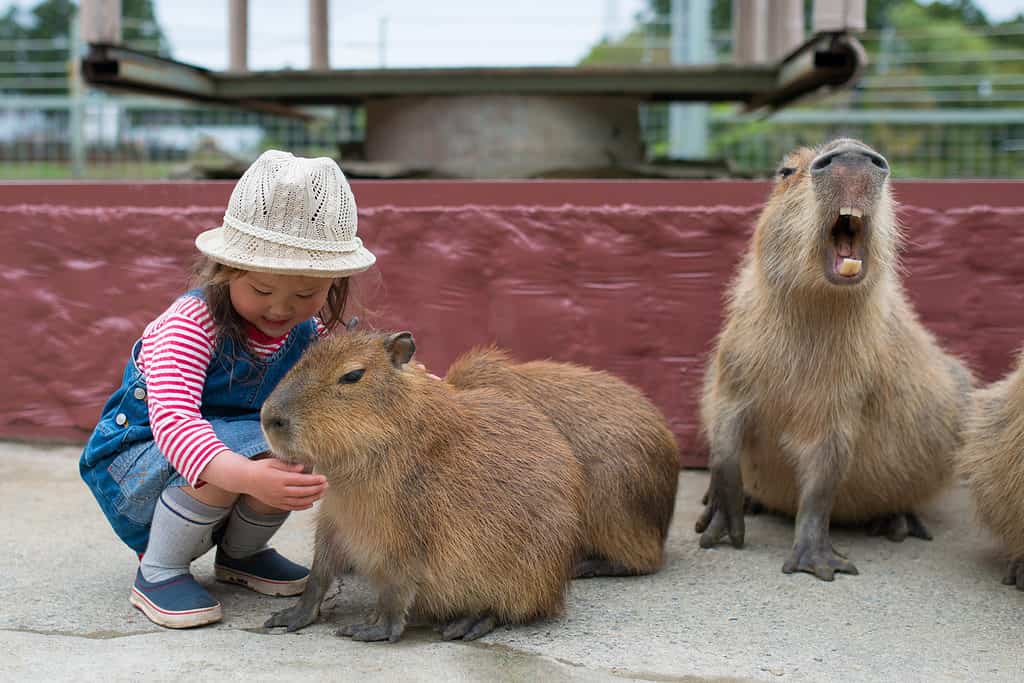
283, 485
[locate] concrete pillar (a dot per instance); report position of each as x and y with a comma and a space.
238, 35
839, 15
749, 18
100, 21
318, 33
785, 28
504, 136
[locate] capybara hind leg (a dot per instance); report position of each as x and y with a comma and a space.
599, 566
388, 619
1015, 574
812, 548
897, 527
469, 628
723, 514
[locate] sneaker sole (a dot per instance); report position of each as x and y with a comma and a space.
186, 619
281, 589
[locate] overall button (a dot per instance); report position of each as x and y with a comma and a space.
121, 419
139, 393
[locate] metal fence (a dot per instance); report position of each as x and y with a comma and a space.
149, 138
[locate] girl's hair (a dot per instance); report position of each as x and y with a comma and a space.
213, 278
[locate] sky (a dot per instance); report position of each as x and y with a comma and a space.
402, 33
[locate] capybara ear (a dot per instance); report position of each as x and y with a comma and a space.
400, 347
352, 323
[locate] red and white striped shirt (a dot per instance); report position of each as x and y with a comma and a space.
176, 351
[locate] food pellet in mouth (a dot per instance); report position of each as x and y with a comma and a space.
849, 267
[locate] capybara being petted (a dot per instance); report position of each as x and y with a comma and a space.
825, 397
629, 455
992, 460
461, 507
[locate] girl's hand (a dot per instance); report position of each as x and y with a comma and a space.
283, 485
416, 365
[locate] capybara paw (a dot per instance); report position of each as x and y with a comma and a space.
721, 519
897, 527
372, 631
469, 628
819, 559
293, 618
1015, 574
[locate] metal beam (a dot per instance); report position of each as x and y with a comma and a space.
123, 69
825, 61
675, 83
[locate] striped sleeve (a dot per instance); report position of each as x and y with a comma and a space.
175, 355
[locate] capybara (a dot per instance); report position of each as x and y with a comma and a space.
825, 397
629, 455
992, 461
460, 507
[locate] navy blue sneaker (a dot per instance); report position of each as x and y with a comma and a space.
266, 572
177, 602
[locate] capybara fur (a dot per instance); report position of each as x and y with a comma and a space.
460, 507
992, 460
629, 455
825, 397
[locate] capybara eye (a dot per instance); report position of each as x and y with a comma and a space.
351, 377
786, 171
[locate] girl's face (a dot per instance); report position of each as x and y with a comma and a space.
274, 304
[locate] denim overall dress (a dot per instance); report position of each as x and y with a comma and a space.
122, 464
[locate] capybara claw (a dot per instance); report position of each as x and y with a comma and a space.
293, 618
821, 560
469, 628
372, 631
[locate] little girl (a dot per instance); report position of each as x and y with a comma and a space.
177, 461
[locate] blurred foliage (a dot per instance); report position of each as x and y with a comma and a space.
944, 54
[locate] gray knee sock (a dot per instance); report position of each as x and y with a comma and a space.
182, 530
247, 532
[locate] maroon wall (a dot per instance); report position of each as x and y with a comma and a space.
626, 276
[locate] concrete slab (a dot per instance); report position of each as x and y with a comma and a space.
919, 611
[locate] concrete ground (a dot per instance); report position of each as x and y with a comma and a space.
919, 611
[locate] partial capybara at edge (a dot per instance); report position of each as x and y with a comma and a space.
629, 455
461, 507
992, 460
825, 397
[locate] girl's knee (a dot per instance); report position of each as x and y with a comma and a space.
212, 495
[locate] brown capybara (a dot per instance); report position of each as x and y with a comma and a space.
460, 507
629, 455
825, 397
992, 460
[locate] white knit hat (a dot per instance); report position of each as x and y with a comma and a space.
290, 216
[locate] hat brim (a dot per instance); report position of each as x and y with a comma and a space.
331, 264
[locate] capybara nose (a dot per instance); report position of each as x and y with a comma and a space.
275, 423
848, 156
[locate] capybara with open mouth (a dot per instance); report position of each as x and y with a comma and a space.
825, 397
